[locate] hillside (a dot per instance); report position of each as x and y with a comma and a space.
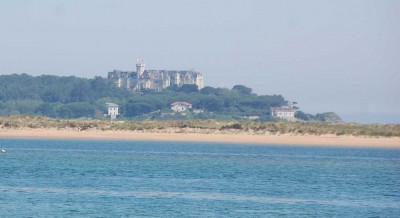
73, 97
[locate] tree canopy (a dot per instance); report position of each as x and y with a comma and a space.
73, 97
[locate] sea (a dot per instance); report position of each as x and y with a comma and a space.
83, 178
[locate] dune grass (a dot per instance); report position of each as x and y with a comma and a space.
203, 126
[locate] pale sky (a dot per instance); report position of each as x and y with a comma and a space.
341, 56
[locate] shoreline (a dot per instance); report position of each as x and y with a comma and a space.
232, 137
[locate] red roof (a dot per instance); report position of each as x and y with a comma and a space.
182, 102
287, 109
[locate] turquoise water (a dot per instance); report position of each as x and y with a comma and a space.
71, 178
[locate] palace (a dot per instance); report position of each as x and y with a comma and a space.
154, 79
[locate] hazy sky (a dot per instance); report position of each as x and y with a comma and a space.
341, 56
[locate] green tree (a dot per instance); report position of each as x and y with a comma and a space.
242, 89
45, 109
209, 90
76, 110
189, 88
211, 103
138, 108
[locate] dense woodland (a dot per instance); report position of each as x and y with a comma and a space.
72, 97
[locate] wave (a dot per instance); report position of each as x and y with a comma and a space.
206, 196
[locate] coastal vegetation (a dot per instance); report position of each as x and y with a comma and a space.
202, 126
73, 97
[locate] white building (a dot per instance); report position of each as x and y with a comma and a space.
285, 113
180, 106
112, 110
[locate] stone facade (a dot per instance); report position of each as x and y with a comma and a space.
154, 79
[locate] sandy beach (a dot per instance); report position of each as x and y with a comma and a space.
265, 139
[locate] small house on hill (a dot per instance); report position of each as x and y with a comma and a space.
180, 106
285, 113
112, 110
